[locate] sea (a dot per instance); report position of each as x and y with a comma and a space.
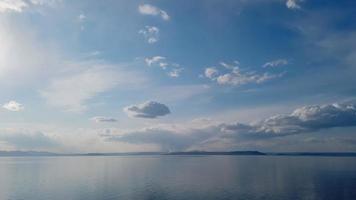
177, 177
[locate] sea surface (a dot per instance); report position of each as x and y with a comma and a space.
177, 177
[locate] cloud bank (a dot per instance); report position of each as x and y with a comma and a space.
308, 119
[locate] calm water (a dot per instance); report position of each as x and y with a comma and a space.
177, 177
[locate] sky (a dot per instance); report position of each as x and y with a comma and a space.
123, 76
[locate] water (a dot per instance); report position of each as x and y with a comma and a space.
177, 177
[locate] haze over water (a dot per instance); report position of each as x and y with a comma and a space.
177, 177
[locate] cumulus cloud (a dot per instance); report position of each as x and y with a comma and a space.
150, 33
13, 106
174, 69
149, 109
306, 119
236, 77
275, 63
99, 119
147, 9
293, 4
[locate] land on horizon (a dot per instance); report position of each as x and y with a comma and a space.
237, 153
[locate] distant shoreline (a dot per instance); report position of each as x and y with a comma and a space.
186, 153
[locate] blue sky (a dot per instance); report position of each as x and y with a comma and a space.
116, 76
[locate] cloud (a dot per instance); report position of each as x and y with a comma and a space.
302, 120
308, 119
237, 77
149, 109
81, 20
81, 17
211, 72
275, 63
99, 119
12, 5
154, 60
293, 4
20, 5
28, 140
175, 72
13, 106
150, 33
147, 9
174, 69
169, 138
84, 80
230, 66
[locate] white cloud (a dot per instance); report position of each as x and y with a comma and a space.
13, 106
99, 119
149, 109
293, 4
174, 69
147, 9
154, 60
211, 72
230, 66
12, 5
237, 77
82, 17
81, 20
275, 63
175, 72
150, 33
45, 2
20, 5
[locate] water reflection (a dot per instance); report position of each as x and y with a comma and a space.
177, 177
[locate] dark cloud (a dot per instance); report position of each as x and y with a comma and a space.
149, 109
305, 119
